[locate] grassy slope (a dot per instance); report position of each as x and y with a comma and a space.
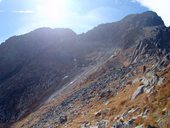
158, 104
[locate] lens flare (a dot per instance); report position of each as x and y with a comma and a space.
53, 10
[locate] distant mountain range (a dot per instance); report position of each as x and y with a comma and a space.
51, 70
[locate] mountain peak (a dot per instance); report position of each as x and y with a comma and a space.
124, 32
51, 30
146, 19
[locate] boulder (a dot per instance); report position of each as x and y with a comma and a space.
102, 124
145, 113
136, 80
145, 81
140, 126
155, 79
161, 81
102, 112
131, 121
139, 91
62, 119
120, 124
85, 125
150, 126
99, 113
105, 93
149, 89
144, 69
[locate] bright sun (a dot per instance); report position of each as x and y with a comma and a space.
53, 10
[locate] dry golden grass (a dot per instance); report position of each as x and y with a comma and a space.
121, 103
118, 104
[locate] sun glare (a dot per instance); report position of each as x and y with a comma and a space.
53, 10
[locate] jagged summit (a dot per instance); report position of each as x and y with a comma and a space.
124, 33
146, 19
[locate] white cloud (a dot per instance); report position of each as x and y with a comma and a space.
23, 11
161, 7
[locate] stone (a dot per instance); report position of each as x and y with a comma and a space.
102, 124
161, 81
131, 121
62, 119
165, 112
132, 110
99, 113
144, 69
149, 89
136, 80
139, 91
120, 124
155, 79
145, 81
108, 102
145, 113
125, 115
102, 112
85, 125
105, 93
150, 126
139, 126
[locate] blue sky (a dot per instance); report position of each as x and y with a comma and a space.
21, 16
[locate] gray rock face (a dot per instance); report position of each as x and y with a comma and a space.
148, 84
